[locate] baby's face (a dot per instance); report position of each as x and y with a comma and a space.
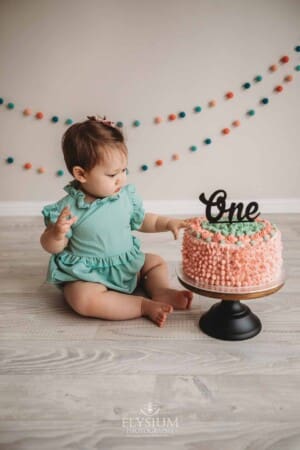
107, 178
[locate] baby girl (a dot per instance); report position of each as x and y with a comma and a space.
95, 258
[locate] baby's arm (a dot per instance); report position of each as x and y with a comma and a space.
54, 239
154, 224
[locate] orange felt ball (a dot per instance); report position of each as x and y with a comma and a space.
279, 88
158, 119
212, 103
41, 170
27, 112
226, 131
39, 115
273, 68
175, 157
236, 123
289, 78
172, 116
27, 166
159, 162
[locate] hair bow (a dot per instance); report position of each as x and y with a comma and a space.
103, 120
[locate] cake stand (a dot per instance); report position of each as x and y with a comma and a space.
229, 319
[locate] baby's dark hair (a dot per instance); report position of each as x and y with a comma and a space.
87, 143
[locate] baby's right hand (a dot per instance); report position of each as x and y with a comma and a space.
63, 223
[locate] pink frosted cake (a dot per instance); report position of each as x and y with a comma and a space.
232, 254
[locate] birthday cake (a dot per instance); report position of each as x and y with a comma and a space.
232, 254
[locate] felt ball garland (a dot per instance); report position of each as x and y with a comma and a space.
283, 60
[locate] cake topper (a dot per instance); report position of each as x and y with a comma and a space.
235, 210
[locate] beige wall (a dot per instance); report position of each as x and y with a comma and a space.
135, 59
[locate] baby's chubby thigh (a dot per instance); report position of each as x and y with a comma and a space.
81, 294
152, 261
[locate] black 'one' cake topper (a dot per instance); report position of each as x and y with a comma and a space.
235, 210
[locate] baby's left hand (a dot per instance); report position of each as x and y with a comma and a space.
174, 226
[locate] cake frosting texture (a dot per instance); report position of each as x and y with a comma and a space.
232, 254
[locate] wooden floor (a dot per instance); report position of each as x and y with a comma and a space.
68, 382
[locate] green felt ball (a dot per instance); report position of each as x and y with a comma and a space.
120, 124
193, 148
297, 68
251, 112
10, 105
258, 78
197, 109
136, 123
60, 173
69, 121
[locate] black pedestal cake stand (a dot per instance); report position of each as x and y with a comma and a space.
229, 319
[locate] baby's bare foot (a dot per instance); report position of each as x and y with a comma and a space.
178, 299
156, 311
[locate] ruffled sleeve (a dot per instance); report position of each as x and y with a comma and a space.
138, 212
51, 213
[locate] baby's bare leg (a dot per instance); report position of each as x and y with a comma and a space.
155, 280
94, 300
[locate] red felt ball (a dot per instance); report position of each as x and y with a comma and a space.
226, 131
285, 59
27, 166
229, 95
159, 162
39, 115
279, 88
172, 116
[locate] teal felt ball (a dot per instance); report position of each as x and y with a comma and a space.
10, 160
144, 167
207, 141
246, 85
182, 114
265, 101
1, 101
55, 119
297, 48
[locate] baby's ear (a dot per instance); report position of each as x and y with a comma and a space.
79, 174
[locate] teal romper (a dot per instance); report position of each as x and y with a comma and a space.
101, 247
